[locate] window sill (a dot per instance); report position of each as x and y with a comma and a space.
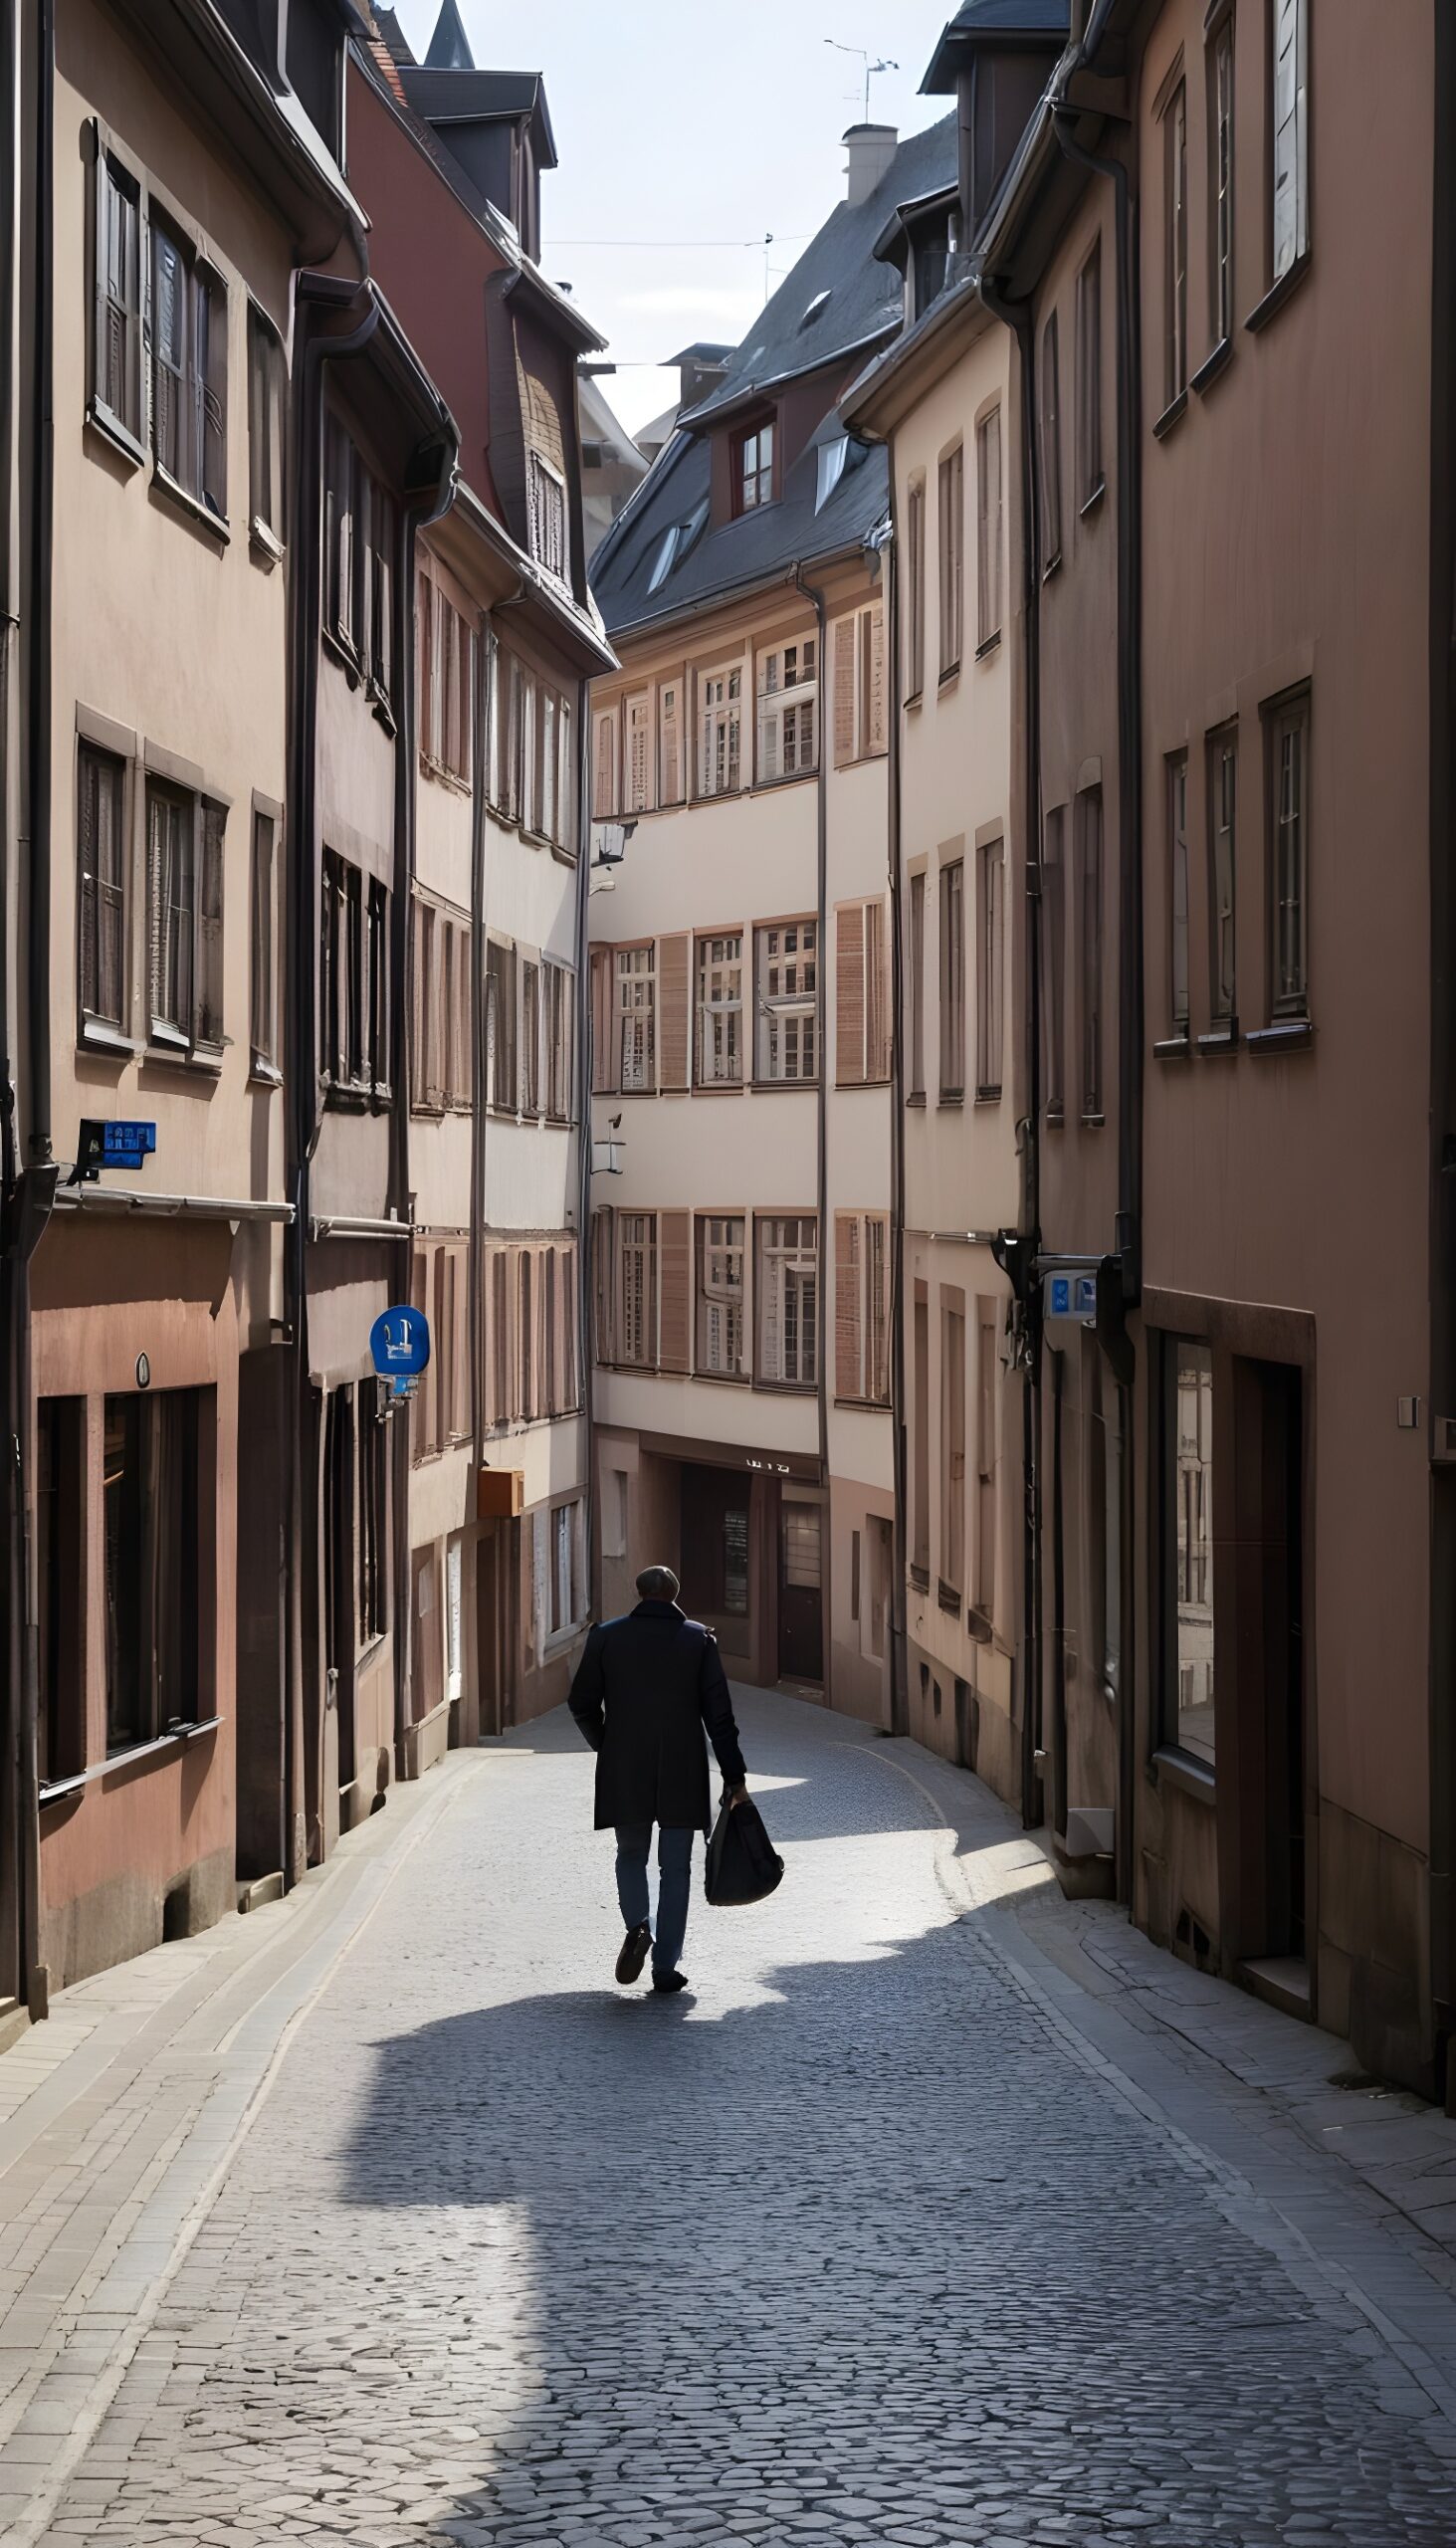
342, 653
786, 778
264, 545
119, 436
979, 1626
724, 1379
920, 1576
263, 1074
868, 1405
1093, 1123
948, 1597
1056, 1119
989, 1097
916, 1097
951, 1098
1173, 1048
348, 1099
783, 1087
106, 1041
1278, 293
1177, 408
988, 646
1181, 1770
948, 678
563, 857
1286, 1035
917, 698
717, 1088
1088, 504
438, 771
179, 1055
165, 485
381, 708
1211, 371
175, 1738
1051, 566
1220, 1039
786, 1388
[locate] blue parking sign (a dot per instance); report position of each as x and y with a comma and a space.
399, 1341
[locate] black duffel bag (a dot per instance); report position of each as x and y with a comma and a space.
742, 1862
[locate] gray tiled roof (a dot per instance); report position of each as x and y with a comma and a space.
1039, 21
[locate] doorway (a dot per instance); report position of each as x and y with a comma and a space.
715, 1571
800, 1593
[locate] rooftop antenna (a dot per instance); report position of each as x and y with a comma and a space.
871, 67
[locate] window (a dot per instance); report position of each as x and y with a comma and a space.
1105, 1512
1220, 182
859, 685
753, 468
1089, 862
953, 1446
341, 514
636, 1018
185, 918
604, 764
861, 995
862, 1307
534, 783
61, 1533
720, 1340
159, 1563
353, 969
636, 755
546, 508
615, 1507
988, 530
117, 344
561, 994
1289, 736
986, 1366
952, 981
445, 650
721, 1011
189, 371
1089, 480
371, 1545
378, 647
1175, 245
788, 699
263, 951
919, 1547
267, 428
1290, 67
990, 967
103, 887
531, 1037
1189, 1469
720, 732
670, 743
1054, 965
915, 589
454, 1623
952, 534
500, 1027
528, 1401
565, 1569
787, 1292
1051, 447
917, 985
1178, 864
1223, 779
786, 960
636, 1324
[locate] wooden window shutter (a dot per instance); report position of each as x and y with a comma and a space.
874, 704
670, 736
673, 970
207, 993
844, 691
849, 995
847, 1357
603, 1078
417, 1003
877, 993
603, 1249
604, 764
675, 1290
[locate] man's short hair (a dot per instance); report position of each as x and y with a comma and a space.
657, 1584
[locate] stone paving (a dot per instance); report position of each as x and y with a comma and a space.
893, 2230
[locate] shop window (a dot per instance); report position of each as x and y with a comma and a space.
157, 1558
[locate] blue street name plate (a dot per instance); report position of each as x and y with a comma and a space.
126, 1144
1072, 1296
399, 1341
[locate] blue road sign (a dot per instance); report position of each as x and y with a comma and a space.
1059, 1296
126, 1144
400, 1344
1071, 1295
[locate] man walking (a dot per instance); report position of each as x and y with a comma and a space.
645, 1688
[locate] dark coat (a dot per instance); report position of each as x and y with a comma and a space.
645, 1688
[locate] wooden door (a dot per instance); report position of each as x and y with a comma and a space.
800, 1593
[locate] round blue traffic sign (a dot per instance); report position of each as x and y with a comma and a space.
400, 1344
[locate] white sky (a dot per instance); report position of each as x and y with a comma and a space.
676, 124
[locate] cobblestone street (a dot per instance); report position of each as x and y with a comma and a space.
888, 2231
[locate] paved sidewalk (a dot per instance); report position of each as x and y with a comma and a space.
932, 2215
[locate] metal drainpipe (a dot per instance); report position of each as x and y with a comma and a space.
581, 1111
1019, 319
813, 593
479, 769
1442, 976
1129, 1259
899, 1636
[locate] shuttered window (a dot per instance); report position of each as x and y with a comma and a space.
266, 427
637, 754
1054, 964
635, 1326
1090, 926
674, 1279
951, 548
915, 589
185, 835
636, 1018
102, 885
531, 1037
861, 995
670, 767
986, 1372
721, 1336
500, 1027
1089, 480
440, 1010
189, 369
786, 1286
263, 946
354, 1007
1050, 390
1219, 79
951, 1562
1223, 775
1290, 208
789, 711
1175, 245
340, 512
988, 530
859, 685
380, 520
444, 652
559, 987
953, 981
116, 347
496, 1357
1177, 889
719, 1060
546, 510
674, 992
991, 967
604, 1283
862, 1307
720, 731
786, 968
604, 763
1289, 821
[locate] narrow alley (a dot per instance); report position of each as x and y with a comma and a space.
897, 2227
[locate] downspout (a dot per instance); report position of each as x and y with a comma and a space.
485, 657
814, 594
43, 499
1020, 1257
1442, 713
580, 1114
898, 1653
1121, 1281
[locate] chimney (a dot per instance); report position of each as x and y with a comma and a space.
871, 149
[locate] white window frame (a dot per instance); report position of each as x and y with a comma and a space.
638, 1290
786, 1008
721, 731
720, 1324
718, 990
787, 728
786, 1292
546, 511
634, 978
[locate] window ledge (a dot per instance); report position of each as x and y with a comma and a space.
786, 778
381, 708
948, 1597
1286, 1035
1088, 504
948, 678
869, 1406
1278, 293
1221, 1040
916, 699
1211, 370
97, 1037
1181, 1770
181, 1056
1173, 1048
1093, 1123
263, 1073
724, 1379
111, 430
343, 655
988, 646
783, 1087
1177, 408
989, 1097
1049, 568
952, 1096
563, 857
265, 543
717, 1088
164, 483
916, 1097
978, 1622
920, 1576
453, 780
175, 1738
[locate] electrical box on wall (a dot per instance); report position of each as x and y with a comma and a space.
500, 1495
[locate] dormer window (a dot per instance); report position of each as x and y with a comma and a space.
547, 493
753, 467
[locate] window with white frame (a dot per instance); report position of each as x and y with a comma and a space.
355, 1007
719, 754
637, 754
500, 1026
531, 1036
637, 1288
637, 1018
788, 699
721, 1009
786, 965
950, 545
564, 1565
753, 467
786, 1284
546, 506
104, 876
721, 1337
184, 835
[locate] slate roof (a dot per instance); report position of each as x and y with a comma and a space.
482, 97
1006, 23
866, 303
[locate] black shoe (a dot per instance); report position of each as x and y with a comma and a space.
634, 1951
670, 1981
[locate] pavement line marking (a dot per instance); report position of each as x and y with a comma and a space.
26, 2531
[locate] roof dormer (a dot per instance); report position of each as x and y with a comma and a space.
995, 57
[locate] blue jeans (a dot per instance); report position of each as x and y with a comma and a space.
674, 1879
